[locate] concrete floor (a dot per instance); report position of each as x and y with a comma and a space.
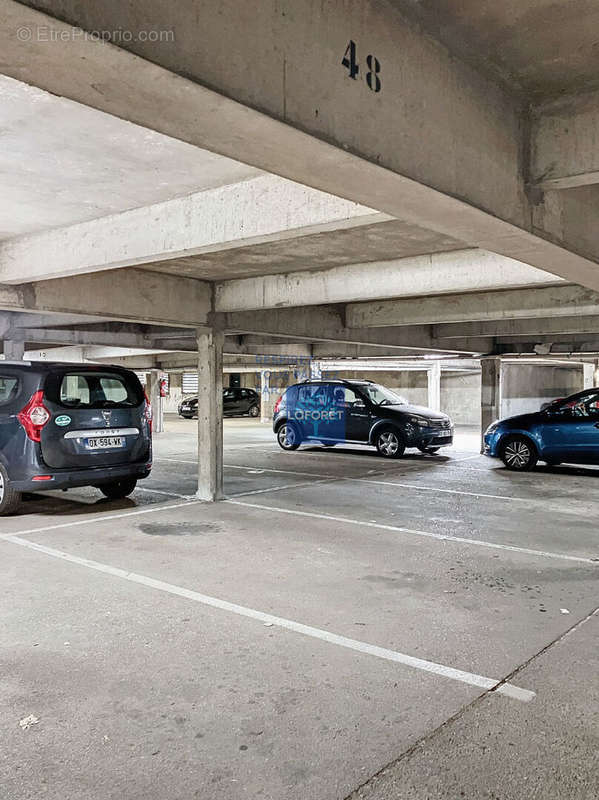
327, 633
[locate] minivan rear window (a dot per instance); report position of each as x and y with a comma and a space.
9, 387
95, 390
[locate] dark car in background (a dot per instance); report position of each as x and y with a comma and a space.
363, 412
566, 430
236, 401
66, 425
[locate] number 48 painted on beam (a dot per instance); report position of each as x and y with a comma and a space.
374, 67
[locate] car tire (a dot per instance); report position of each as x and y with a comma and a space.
254, 411
389, 443
429, 450
288, 436
519, 454
118, 489
9, 499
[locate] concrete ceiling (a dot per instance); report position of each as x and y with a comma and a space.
543, 47
381, 241
63, 163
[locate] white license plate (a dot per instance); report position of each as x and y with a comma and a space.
444, 434
105, 442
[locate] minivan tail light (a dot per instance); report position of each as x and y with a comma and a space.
34, 417
278, 404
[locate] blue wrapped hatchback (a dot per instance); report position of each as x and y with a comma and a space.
66, 425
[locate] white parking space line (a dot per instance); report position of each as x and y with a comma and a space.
420, 488
480, 681
367, 479
257, 470
176, 460
167, 494
285, 486
444, 537
153, 510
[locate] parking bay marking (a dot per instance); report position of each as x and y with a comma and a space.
428, 534
45, 528
303, 484
364, 479
480, 681
367, 479
446, 491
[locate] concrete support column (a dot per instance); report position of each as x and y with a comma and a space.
210, 415
434, 385
155, 400
265, 396
596, 374
14, 350
315, 370
302, 372
491, 390
588, 376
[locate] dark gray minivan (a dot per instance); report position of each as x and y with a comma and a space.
66, 425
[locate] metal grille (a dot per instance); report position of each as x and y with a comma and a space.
189, 383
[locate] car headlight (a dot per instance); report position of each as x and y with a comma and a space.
492, 427
421, 422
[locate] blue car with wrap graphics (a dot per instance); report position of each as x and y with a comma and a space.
334, 411
66, 425
566, 430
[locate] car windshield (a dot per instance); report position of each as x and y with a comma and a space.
381, 396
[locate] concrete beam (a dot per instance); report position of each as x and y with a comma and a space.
263, 209
587, 347
325, 324
128, 295
390, 364
461, 270
565, 135
82, 337
543, 326
233, 346
30, 319
556, 301
296, 113
92, 353
13, 350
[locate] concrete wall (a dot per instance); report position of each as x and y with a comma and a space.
525, 387
460, 397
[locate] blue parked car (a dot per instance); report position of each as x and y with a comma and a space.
566, 430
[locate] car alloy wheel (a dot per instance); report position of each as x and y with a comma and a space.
518, 454
287, 437
254, 411
389, 444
